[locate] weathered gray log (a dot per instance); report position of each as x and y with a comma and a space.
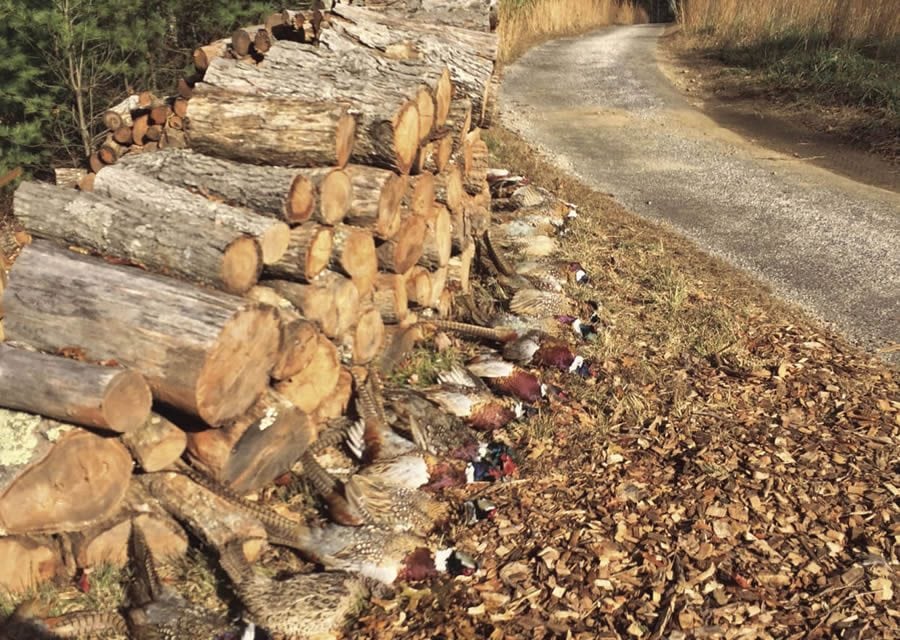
155, 198
170, 241
87, 394
290, 194
277, 130
191, 344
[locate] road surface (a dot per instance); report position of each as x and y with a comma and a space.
599, 106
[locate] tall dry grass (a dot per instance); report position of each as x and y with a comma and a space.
523, 23
836, 22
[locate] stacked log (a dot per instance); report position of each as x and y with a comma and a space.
208, 301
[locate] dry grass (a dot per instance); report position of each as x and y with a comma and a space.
524, 23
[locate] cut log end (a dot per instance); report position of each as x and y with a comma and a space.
345, 138
300, 201
425, 105
335, 195
274, 242
406, 136
443, 96
127, 402
241, 265
368, 336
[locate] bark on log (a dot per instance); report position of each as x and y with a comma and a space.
476, 175
26, 562
460, 268
336, 403
438, 243
156, 198
165, 537
390, 297
254, 450
104, 397
173, 242
157, 444
327, 301
353, 254
55, 476
439, 279
289, 194
401, 252
307, 254
459, 122
419, 196
418, 286
208, 516
308, 388
203, 56
286, 131
376, 199
191, 344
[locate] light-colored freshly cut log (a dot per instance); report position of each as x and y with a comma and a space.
460, 268
154, 198
164, 536
448, 188
249, 453
353, 254
419, 197
157, 444
418, 286
104, 543
209, 516
286, 131
119, 115
57, 477
203, 56
376, 199
204, 352
401, 252
104, 397
336, 403
367, 335
317, 301
308, 388
27, 562
439, 279
459, 122
297, 333
290, 194
307, 255
390, 297
438, 243
170, 242
438, 154
87, 182
460, 227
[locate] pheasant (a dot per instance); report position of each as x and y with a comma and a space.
477, 510
299, 607
159, 613
468, 397
29, 621
507, 378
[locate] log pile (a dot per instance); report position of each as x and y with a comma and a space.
206, 302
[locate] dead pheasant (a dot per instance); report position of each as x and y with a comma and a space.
506, 377
29, 621
299, 607
467, 397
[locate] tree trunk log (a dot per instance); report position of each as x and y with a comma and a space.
419, 196
285, 131
209, 516
401, 252
105, 543
191, 344
174, 242
203, 56
254, 450
307, 255
298, 335
353, 254
157, 444
439, 152
326, 301
104, 397
289, 194
390, 297
309, 387
57, 477
438, 279
438, 243
155, 198
376, 199
448, 188
367, 335
476, 174
336, 403
459, 122
460, 268
418, 286
27, 562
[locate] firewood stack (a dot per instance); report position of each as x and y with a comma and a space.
321, 180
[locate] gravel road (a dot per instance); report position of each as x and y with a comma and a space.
599, 106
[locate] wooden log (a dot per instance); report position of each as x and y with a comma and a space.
418, 286
439, 278
335, 404
297, 333
121, 114
87, 182
387, 95
203, 56
104, 397
68, 477
438, 243
286, 131
110, 151
209, 516
157, 198
122, 136
104, 543
459, 122
438, 156
307, 255
376, 199
191, 344
476, 175
401, 252
461, 231
419, 197
175, 243
448, 188
309, 387
139, 128
460, 267
94, 162
179, 105
154, 133
27, 562
367, 336
469, 55
249, 453
353, 254
68, 176
390, 297
289, 194
159, 113
262, 41
165, 538
241, 41
157, 444
318, 301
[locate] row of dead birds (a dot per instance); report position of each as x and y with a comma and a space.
378, 475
